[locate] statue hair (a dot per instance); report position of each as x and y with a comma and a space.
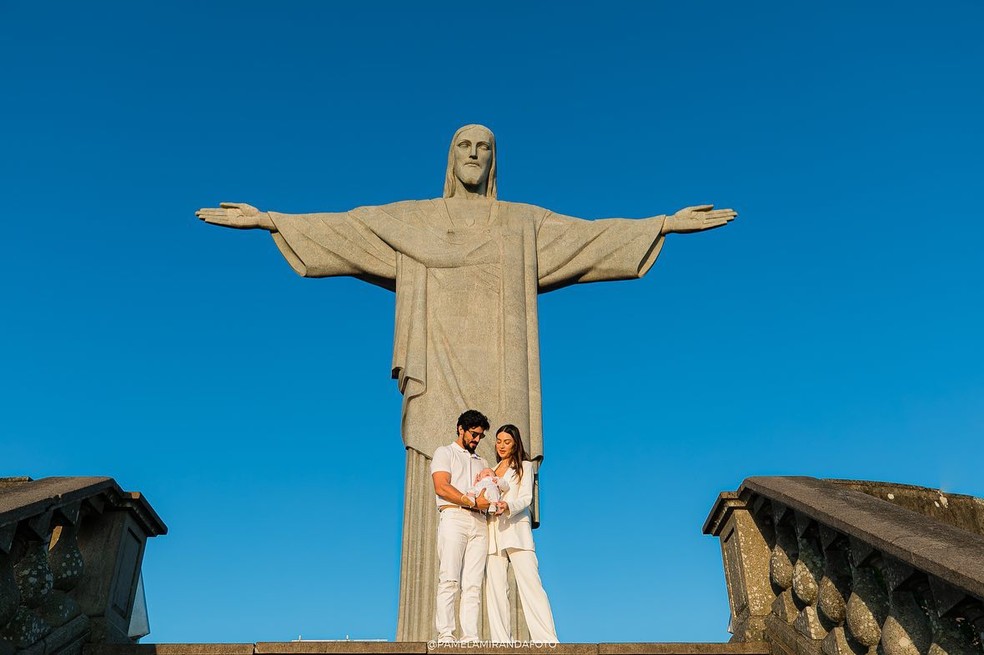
451, 181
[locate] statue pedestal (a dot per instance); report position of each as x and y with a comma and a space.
418, 562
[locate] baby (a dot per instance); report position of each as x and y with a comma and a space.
493, 486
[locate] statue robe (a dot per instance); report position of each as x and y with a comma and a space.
466, 274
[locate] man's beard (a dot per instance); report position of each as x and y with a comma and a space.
470, 448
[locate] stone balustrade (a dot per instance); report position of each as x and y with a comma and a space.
70, 556
852, 568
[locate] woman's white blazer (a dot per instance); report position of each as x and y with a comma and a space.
514, 530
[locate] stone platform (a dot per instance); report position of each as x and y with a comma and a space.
423, 648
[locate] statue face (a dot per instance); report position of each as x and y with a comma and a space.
473, 156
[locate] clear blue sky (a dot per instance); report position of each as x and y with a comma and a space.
834, 329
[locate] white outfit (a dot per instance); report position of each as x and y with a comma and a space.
462, 545
511, 541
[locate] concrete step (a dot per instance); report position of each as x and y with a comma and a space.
425, 648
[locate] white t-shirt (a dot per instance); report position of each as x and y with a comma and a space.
462, 465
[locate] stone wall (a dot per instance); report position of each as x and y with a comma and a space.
70, 556
852, 567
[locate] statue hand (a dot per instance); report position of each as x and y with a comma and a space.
238, 215
697, 218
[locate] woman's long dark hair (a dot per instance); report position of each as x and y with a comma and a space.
518, 454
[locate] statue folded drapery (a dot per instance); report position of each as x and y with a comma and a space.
466, 322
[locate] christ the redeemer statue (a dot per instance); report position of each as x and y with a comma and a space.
466, 269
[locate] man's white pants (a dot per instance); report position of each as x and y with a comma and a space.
462, 545
536, 606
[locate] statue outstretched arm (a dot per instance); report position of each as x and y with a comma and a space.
320, 245
573, 250
237, 215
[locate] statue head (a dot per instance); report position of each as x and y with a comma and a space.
471, 162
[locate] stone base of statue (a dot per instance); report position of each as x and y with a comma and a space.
418, 562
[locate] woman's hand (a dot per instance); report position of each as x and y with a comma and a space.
501, 507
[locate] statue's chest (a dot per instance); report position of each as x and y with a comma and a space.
472, 215
472, 224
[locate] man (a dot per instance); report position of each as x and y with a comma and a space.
462, 534
467, 269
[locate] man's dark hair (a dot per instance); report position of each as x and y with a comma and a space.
473, 418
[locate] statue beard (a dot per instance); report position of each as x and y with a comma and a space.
471, 177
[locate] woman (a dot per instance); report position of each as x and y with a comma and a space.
511, 542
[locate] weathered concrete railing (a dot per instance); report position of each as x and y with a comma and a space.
70, 556
851, 568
